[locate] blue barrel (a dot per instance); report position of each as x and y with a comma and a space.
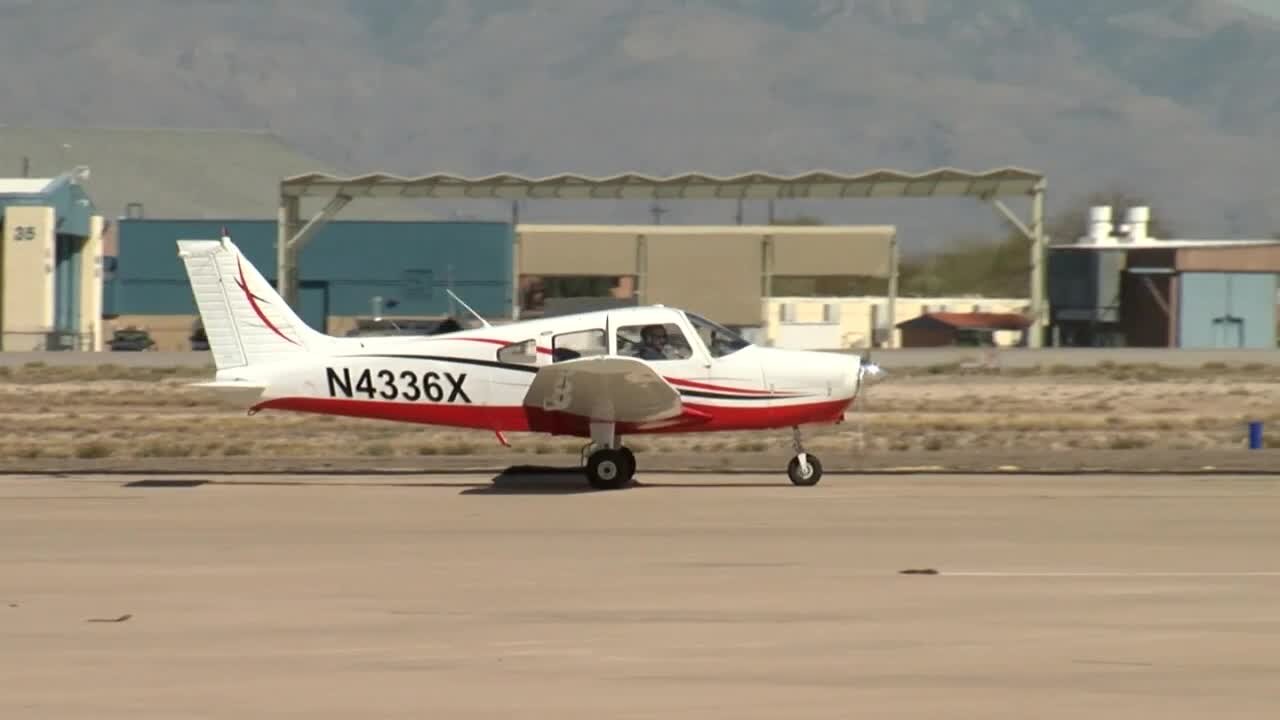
1255, 435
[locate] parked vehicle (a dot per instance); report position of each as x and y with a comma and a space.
131, 339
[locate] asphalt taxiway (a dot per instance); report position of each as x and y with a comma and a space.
690, 596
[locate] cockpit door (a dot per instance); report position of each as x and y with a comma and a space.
732, 362
660, 337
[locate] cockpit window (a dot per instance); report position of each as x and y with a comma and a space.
656, 341
720, 340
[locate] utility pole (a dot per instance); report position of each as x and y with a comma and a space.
657, 211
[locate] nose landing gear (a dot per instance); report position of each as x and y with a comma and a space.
804, 469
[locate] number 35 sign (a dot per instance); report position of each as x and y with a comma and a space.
23, 233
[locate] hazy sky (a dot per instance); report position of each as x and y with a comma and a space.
1270, 7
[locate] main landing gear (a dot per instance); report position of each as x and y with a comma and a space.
608, 465
804, 469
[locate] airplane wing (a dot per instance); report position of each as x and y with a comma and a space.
607, 389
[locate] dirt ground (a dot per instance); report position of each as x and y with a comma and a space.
117, 416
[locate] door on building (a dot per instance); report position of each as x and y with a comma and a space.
1228, 331
313, 301
1227, 310
66, 293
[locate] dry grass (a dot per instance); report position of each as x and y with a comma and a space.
113, 412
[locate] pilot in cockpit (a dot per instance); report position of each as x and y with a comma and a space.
653, 344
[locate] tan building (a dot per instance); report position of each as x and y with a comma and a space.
50, 265
861, 322
723, 272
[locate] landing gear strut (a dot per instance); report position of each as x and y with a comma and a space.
608, 465
804, 469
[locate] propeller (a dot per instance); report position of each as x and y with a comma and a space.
869, 373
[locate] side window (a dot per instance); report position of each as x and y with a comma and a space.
521, 353
654, 342
584, 343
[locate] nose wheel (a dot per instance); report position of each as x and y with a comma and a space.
804, 469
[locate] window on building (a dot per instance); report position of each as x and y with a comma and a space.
536, 290
974, 338
832, 286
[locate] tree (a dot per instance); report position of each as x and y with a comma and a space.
971, 266
1002, 268
1073, 222
799, 220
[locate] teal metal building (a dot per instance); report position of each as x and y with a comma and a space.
1227, 310
1201, 297
349, 269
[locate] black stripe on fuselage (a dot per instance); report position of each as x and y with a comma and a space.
450, 359
704, 395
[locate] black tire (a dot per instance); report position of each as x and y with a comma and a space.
609, 470
799, 478
631, 460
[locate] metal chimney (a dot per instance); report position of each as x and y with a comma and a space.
1100, 226
1138, 219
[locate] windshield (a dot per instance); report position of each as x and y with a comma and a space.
720, 340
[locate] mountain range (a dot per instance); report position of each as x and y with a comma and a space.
1176, 101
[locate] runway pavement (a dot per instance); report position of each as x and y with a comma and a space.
691, 596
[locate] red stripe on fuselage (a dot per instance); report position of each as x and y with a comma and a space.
517, 418
492, 341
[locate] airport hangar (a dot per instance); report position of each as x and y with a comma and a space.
745, 260
162, 184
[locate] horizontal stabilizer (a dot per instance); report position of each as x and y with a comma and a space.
605, 389
238, 391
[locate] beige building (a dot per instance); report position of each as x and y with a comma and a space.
842, 323
50, 265
723, 272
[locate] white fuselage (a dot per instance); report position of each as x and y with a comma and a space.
480, 378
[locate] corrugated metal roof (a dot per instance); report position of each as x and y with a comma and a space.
176, 173
974, 321
744, 230
817, 184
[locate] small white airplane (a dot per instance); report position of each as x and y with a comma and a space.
598, 375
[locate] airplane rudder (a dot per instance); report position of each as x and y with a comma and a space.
199, 259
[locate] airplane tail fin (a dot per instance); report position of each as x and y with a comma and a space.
246, 321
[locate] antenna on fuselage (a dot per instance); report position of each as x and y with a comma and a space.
468, 307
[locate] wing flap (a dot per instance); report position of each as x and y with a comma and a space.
605, 389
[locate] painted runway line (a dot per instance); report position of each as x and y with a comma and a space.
1104, 574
